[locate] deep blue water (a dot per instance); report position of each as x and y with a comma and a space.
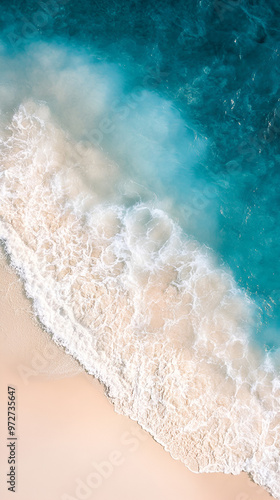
209, 129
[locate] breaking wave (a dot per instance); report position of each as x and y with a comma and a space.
142, 306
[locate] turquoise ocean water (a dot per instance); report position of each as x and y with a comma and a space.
209, 126
140, 203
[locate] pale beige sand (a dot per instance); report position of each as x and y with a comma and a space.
65, 424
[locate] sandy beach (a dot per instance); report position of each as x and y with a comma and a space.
71, 443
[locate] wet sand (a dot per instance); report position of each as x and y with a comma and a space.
71, 443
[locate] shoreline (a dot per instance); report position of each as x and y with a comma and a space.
72, 444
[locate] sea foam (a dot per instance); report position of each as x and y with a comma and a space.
143, 307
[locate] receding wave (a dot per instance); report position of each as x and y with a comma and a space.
143, 307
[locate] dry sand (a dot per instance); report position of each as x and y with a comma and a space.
71, 443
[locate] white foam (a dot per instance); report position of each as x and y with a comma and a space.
142, 307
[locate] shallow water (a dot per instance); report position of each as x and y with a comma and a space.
139, 203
